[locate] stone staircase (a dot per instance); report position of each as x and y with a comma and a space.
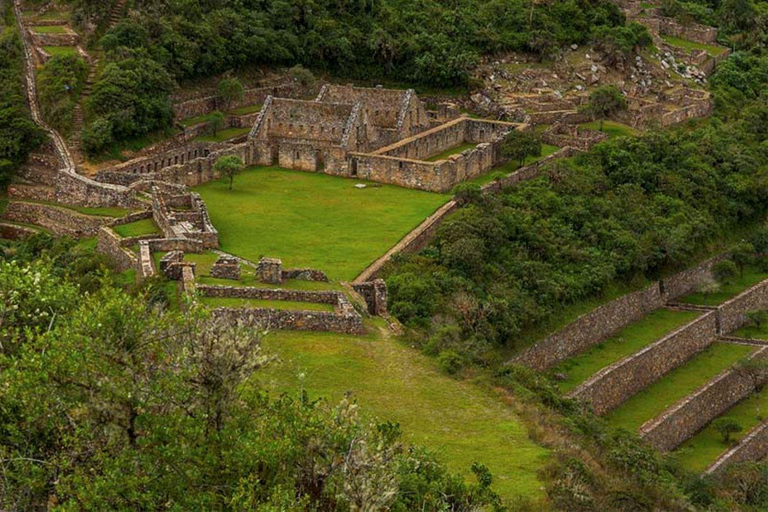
117, 12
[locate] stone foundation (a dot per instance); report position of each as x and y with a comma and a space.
375, 295
226, 267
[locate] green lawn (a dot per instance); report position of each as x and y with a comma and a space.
248, 109
192, 121
53, 29
751, 277
679, 383
63, 51
752, 332
231, 302
511, 166
453, 151
138, 228
456, 419
105, 211
612, 128
701, 450
632, 339
313, 220
223, 135
693, 45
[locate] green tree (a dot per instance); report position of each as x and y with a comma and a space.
519, 145
230, 90
743, 255
302, 76
216, 121
229, 166
725, 271
726, 427
605, 101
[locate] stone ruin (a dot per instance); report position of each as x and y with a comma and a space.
270, 270
226, 267
181, 214
172, 265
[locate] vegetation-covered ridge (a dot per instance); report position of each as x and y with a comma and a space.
18, 134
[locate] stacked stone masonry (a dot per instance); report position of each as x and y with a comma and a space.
344, 319
687, 417
60, 221
753, 448
613, 385
610, 387
605, 321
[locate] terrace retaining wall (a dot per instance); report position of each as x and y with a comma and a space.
59, 221
111, 244
610, 318
292, 320
753, 447
687, 417
613, 385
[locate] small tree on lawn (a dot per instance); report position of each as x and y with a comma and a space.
230, 90
743, 255
520, 145
605, 101
726, 427
707, 287
725, 271
216, 122
229, 166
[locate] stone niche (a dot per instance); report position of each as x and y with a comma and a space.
270, 270
226, 267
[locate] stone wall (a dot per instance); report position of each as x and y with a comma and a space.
72, 188
592, 328
305, 274
60, 221
15, 232
732, 314
66, 39
754, 447
110, 243
140, 168
207, 104
687, 417
344, 319
567, 135
605, 321
375, 295
613, 385
693, 32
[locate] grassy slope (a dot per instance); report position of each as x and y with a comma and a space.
702, 449
313, 220
230, 302
751, 277
676, 385
612, 128
632, 339
394, 382
138, 228
61, 50
693, 45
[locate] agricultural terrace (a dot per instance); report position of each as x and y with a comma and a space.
313, 220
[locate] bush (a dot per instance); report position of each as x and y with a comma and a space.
725, 271
451, 362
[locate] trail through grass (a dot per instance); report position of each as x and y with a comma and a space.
393, 382
313, 220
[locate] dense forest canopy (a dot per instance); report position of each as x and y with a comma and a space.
628, 209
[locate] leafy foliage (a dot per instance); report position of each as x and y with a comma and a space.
18, 134
59, 84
